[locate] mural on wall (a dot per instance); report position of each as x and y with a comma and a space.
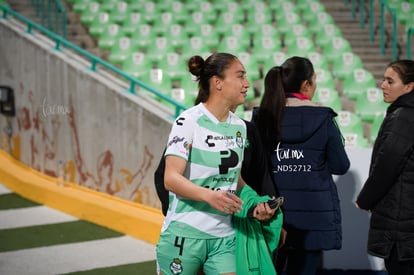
131, 183
37, 141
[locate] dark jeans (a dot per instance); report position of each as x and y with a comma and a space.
297, 262
396, 267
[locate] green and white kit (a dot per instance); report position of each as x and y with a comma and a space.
214, 153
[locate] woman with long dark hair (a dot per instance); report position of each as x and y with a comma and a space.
306, 148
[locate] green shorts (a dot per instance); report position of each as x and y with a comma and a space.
185, 256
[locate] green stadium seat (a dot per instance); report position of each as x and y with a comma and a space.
323, 35
111, 5
243, 113
158, 81
176, 36
285, 21
225, 20
195, 5
138, 65
264, 46
375, 126
239, 31
275, 59
80, 5
231, 44
209, 35
164, 6
174, 66
137, 5
185, 91
297, 30
162, 24
251, 65
335, 49
344, 65
227, 8
324, 78
159, 48
195, 46
352, 129
207, 8
358, 82
320, 19
89, 13
120, 12
193, 23
310, 10
143, 36
179, 95
266, 31
288, 6
100, 22
256, 19
253, 6
149, 10
110, 36
393, 3
302, 47
108, 5
328, 97
132, 22
370, 104
318, 60
121, 50
179, 11
405, 11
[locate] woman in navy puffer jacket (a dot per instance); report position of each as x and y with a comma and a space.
306, 148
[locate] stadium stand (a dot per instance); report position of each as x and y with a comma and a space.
352, 129
376, 124
369, 104
328, 97
148, 38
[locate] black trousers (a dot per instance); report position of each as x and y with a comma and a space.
396, 267
297, 261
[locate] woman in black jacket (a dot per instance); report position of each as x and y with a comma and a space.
389, 190
306, 148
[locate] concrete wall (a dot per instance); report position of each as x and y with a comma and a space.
111, 140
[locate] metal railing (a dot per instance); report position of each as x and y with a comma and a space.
62, 42
44, 11
385, 7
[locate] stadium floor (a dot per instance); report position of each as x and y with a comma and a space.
38, 240
35, 239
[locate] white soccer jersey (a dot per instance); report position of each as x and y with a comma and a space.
214, 153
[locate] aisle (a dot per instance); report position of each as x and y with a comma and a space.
36, 239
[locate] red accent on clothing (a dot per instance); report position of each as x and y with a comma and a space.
299, 96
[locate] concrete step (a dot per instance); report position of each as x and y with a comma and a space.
369, 52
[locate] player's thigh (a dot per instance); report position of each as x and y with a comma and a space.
221, 257
178, 255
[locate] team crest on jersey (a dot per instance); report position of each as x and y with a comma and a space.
187, 146
239, 139
176, 266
